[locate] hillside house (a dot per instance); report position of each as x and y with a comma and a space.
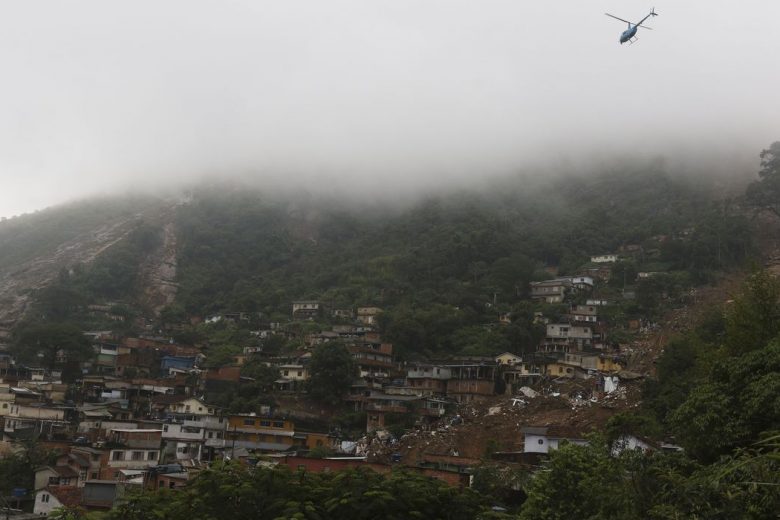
543, 439
101, 494
292, 377
603, 272
471, 382
582, 282
584, 313
558, 369
259, 433
604, 259
428, 380
563, 337
378, 404
134, 449
374, 359
521, 374
508, 359
550, 291
598, 362
54, 497
178, 362
181, 407
343, 314
41, 418
368, 315
305, 309
193, 439
56, 476
7, 399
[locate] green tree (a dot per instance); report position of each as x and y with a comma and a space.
737, 402
53, 345
235, 492
332, 371
753, 319
580, 482
765, 192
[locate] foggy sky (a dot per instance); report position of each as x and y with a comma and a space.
367, 94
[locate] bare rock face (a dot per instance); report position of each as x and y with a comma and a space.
158, 273
18, 282
21, 275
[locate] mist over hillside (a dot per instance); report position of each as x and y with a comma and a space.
236, 246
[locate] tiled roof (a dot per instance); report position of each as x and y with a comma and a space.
68, 496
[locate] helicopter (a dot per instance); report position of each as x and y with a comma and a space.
628, 34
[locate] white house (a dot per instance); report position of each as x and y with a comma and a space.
542, 439
53, 497
604, 259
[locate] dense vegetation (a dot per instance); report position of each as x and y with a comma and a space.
235, 492
244, 250
442, 269
718, 393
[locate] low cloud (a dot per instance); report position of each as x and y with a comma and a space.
386, 96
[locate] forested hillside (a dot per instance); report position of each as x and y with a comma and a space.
441, 268
251, 251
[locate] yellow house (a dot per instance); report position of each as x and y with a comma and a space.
314, 440
259, 433
507, 358
599, 362
607, 364
557, 369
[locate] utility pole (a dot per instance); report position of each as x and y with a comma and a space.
233, 447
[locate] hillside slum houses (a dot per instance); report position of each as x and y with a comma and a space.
140, 413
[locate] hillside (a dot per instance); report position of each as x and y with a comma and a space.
36, 248
471, 253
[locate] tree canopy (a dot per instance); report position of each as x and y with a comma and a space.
765, 192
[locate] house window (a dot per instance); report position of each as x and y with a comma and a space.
44, 497
93, 476
117, 455
171, 484
137, 455
249, 422
278, 424
265, 423
152, 455
165, 427
286, 373
53, 481
541, 441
